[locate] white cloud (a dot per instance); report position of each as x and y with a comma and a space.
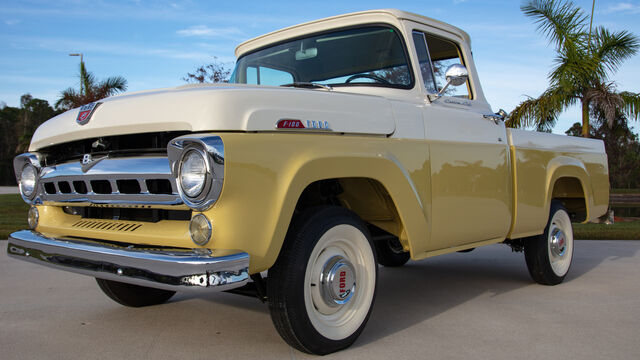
115, 48
623, 7
456, 2
205, 31
11, 21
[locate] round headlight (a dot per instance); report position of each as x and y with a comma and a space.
193, 173
200, 229
28, 179
32, 217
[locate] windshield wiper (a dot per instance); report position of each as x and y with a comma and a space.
309, 85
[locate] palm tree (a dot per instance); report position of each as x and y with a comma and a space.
91, 90
583, 63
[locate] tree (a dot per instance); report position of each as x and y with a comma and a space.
584, 61
91, 90
621, 144
17, 126
216, 72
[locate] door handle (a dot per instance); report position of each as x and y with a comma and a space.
497, 117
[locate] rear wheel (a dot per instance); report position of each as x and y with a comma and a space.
322, 287
133, 295
549, 255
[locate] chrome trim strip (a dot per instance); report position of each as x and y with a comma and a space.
176, 270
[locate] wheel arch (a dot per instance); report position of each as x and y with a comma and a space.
385, 197
568, 181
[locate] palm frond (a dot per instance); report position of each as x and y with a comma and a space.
541, 112
110, 86
574, 69
91, 90
561, 22
69, 99
610, 49
604, 98
630, 104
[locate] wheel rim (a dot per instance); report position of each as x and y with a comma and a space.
560, 243
340, 282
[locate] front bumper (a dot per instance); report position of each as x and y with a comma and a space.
176, 270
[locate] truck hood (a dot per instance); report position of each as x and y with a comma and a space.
220, 107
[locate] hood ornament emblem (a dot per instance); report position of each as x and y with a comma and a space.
88, 162
86, 111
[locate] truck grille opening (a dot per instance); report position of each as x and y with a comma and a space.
159, 186
64, 187
128, 186
113, 146
80, 187
130, 214
101, 186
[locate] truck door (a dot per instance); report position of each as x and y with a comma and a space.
470, 172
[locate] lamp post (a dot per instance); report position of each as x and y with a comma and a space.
81, 65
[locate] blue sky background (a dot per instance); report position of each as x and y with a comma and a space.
155, 43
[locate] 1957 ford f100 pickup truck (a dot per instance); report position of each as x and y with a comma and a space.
337, 145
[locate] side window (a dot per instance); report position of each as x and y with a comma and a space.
267, 76
424, 61
444, 53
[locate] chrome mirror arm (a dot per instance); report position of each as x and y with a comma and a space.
456, 75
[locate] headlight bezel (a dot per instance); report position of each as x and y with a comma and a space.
211, 148
20, 163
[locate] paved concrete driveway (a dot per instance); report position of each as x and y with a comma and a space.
479, 305
9, 190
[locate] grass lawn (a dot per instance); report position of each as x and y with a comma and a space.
618, 231
624, 191
13, 214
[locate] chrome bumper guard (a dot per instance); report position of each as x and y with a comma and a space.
175, 270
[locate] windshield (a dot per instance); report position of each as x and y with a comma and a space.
372, 55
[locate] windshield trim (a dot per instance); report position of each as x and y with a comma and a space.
412, 78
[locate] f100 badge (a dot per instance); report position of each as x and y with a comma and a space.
298, 124
86, 111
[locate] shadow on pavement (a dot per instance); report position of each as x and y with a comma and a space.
424, 289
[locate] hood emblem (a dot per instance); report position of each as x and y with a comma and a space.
298, 124
88, 162
86, 111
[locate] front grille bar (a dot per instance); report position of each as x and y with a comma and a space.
132, 180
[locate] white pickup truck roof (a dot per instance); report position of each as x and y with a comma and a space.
348, 19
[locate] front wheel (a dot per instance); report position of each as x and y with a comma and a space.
133, 295
322, 287
549, 255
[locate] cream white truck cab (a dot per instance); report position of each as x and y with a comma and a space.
338, 145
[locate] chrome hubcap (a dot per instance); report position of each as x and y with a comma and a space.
557, 243
337, 281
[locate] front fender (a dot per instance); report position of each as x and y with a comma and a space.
265, 174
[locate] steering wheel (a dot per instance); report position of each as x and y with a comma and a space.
376, 78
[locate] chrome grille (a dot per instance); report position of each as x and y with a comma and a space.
131, 180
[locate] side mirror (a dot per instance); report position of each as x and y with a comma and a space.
456, 75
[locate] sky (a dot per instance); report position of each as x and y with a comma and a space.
154, 44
